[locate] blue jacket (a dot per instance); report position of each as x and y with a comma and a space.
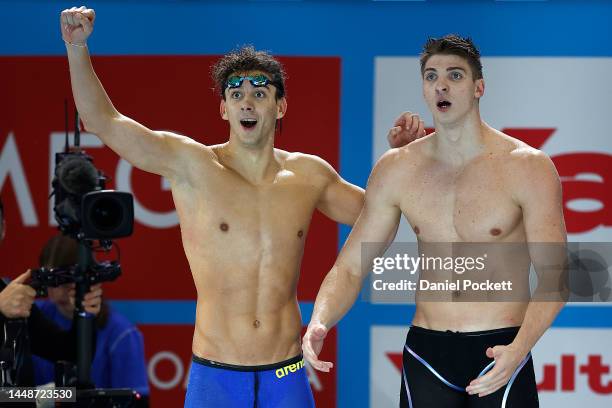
119, 358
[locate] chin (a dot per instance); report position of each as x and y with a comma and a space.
446, 120
450, 118
252, 140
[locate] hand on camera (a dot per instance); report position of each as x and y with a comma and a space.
17, 298
92, 301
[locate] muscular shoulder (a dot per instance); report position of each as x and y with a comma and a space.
528, 161
398, 163
185, 143
192, 156
530, 170
307, 165
515, 155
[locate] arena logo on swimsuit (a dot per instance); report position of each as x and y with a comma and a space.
291, 368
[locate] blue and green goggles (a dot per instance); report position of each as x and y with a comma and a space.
255, 80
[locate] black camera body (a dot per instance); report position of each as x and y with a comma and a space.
83, 208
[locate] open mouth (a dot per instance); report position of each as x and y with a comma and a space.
248, 123
443, 105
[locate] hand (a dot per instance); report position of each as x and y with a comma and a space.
312, 345
77, 24
17, 298
407, 128
92, 301
507, 359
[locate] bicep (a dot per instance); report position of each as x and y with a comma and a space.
374, 230
149, 150
542, 206
541, 201
341, 201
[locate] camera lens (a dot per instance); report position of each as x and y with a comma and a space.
106, 214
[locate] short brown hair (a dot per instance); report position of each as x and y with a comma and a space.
452, 44
248, 59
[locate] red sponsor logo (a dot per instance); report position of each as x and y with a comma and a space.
396, 360
594, 369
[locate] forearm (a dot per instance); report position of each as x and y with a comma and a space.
548, 298
336, 296
538, 318
92, 102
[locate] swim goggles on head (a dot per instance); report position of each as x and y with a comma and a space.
255, 80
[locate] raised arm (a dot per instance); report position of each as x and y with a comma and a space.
377, 222
538, 193
152, 151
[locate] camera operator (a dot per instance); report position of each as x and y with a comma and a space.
26, 331
119, 360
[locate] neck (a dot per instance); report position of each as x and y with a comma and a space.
253, 162
456, 143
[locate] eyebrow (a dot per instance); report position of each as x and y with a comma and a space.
447, 69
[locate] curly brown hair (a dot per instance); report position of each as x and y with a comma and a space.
452, 44
248, 59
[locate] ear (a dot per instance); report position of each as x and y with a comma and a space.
281, 107
222, 110
480, 88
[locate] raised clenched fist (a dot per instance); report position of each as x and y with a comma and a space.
77, 24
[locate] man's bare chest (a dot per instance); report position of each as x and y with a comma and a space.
225, 200
474, 204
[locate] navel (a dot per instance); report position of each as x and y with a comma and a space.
300, 234
256, 324
495, 231
224, 227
